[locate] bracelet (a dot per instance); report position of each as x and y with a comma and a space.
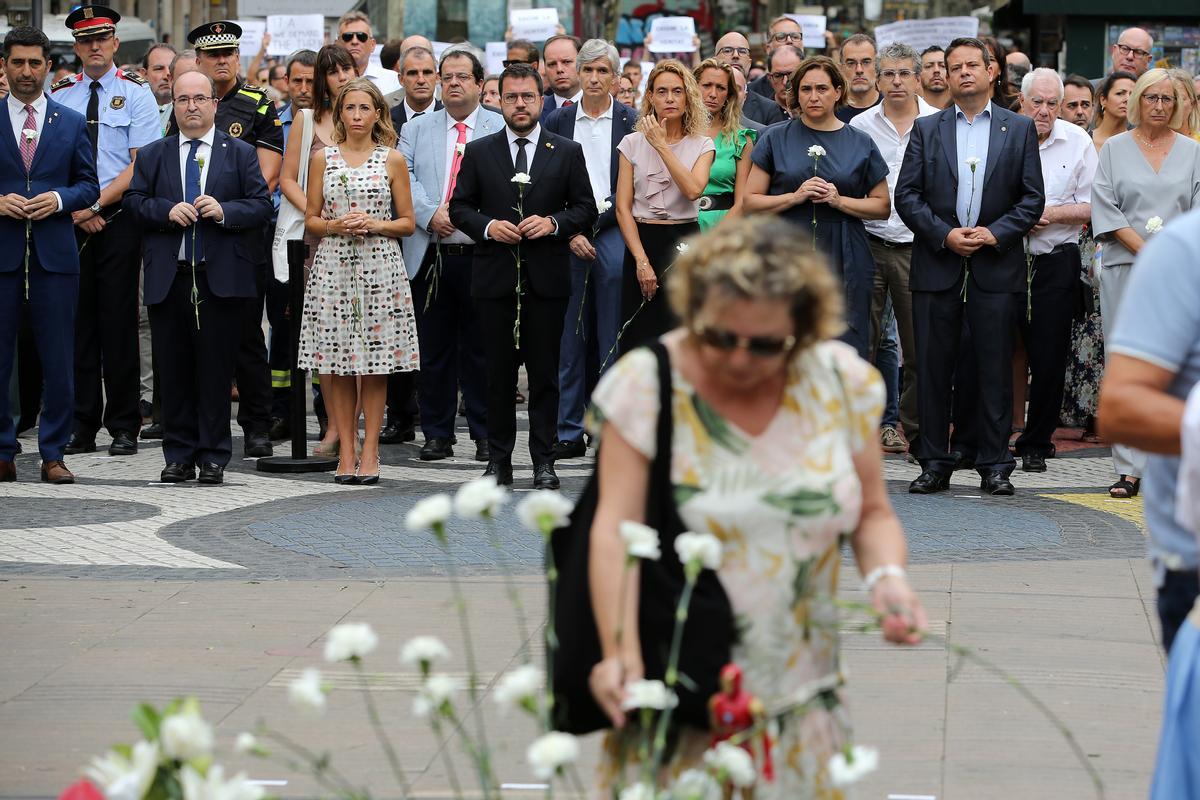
327, 224
886, 571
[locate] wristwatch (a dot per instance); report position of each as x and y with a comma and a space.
95, 207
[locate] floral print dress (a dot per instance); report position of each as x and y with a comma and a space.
781, 503
358, 308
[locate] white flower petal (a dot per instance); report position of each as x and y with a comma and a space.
122, 778
544, 511
480, 498
733, 764
638, 791
703, 548
648, 694
423, 650
350, 640
843, 771
517, 686
245, 743
306, 693
641, 541
694, 784
550, 752
186, 736
431, 511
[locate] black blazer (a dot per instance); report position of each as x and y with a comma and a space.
558, 188
232, 250
763, 110
400, 115
1012, 201
562, 122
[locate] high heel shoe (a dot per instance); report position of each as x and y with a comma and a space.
367, 480
346, 480
324, 449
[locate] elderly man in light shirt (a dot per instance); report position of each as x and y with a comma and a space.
1052, 254
889, 124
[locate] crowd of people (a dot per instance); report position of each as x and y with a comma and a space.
980, 216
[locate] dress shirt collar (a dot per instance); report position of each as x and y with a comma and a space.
15, 106
960, 114
1058, 133
470, 120
532, 136
207, 138
410, 112
558, 101
875, 114
605, 114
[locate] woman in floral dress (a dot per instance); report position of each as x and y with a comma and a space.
775, 452
358, 318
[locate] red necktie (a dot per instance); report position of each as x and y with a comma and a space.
566, 103
29, 140
461, 127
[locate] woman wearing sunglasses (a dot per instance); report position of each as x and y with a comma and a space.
774, 451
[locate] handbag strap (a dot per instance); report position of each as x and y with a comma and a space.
660, 471
306, 137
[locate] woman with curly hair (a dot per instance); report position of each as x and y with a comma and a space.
826, 177
731, 163
664, 168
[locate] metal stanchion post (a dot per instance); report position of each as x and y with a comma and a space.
299, 461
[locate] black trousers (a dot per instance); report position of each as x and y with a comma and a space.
451, 349
938, 324
541, 335
651, 320
253, 371
1047, 337
1175, 600
195, 368
279, 354
29, 372
107, 364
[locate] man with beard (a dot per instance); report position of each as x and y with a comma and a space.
859, 70
934, 88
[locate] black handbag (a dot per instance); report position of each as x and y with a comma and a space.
708, 635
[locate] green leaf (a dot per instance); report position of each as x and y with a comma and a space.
804, 502
802, 588
147, 720
684, 493
124, 750
717, 428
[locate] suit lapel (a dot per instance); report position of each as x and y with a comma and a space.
220, 149
949, 137
620, 125
997, 138
48, 129
11, 143
541, 156
171, 165
438, 141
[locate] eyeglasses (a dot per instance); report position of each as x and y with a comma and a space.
761, 346
350, 36
461, 77
1038, 102
890, 74
734, 51
198, 100
1154, 99
786, 37
509, 62
510, 98
780, 76
1125, 50
855, 63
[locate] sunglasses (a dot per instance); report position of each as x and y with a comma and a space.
350, 36
762, 346
508, 62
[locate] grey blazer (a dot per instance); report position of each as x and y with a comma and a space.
423, 145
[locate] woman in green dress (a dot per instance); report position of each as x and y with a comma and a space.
727, 179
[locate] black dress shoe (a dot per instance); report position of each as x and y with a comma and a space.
483, 452
123, 444
396, 434
1033, 462
436, 449
257, 445
174, 472
928, 482
152, 431
145, 409
569, 450
544, 477
80, 444
501, 471
280, 429
996, 484
212, 473
962, 461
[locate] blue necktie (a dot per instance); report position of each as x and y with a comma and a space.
191, 190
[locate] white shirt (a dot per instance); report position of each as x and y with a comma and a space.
204, 151
595, 135
558, 101
410, 114
1069, 163
16, 115
384, 79
530, 150
458, 237
892, 146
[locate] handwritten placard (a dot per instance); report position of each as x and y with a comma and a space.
292, 32
921, 33
813, 27
534, 24
672, 35
252, 33
497, 52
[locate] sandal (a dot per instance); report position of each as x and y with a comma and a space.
1130, 488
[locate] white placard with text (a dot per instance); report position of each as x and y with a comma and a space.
496, 53
813, 26
672, 35
534, 24
921, 33
252, 33
292, 32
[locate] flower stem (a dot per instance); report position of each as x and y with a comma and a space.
672, 676
551, 636
434, 276
380, 731
447, 759
510, 588
319, 765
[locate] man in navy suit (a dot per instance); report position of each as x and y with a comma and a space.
970, 188
46, 172
555, 204
598, 123
201, 201
561, 54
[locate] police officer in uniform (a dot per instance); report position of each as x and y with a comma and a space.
122, 115
245, 112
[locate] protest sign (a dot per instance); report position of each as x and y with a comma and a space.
672, 35
921, 33
496, 53
292, 32
252, 33
813, 26
534, 24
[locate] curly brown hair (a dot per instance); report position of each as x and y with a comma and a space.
695, 115
382, 132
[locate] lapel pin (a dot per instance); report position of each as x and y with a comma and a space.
549, 145
1003, 129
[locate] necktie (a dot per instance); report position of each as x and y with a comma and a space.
191, 190
417, 114
461, 127
522, 160
28, 142
93, 116
567, 103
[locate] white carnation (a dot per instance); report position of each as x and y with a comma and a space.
648, 694
682, 247
521, 178
186, 736
544, 511
125, 778
429, 512
1154, 225
973, 162
733, 764
350, 641
702, 548
551, 752
306, 693
603, 205
518, 686
816, 151
638, 791
246, 743
696, 785
480, 498
641, 541
438, 690
213, 786
845, 771
421, 651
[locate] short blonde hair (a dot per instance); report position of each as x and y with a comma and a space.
382, 132
1148, 79
695, 115
1184, 85
759, 257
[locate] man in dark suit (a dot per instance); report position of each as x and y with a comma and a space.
598, 123
202, 202
46, 172
561, 54
521, 273
969, 189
